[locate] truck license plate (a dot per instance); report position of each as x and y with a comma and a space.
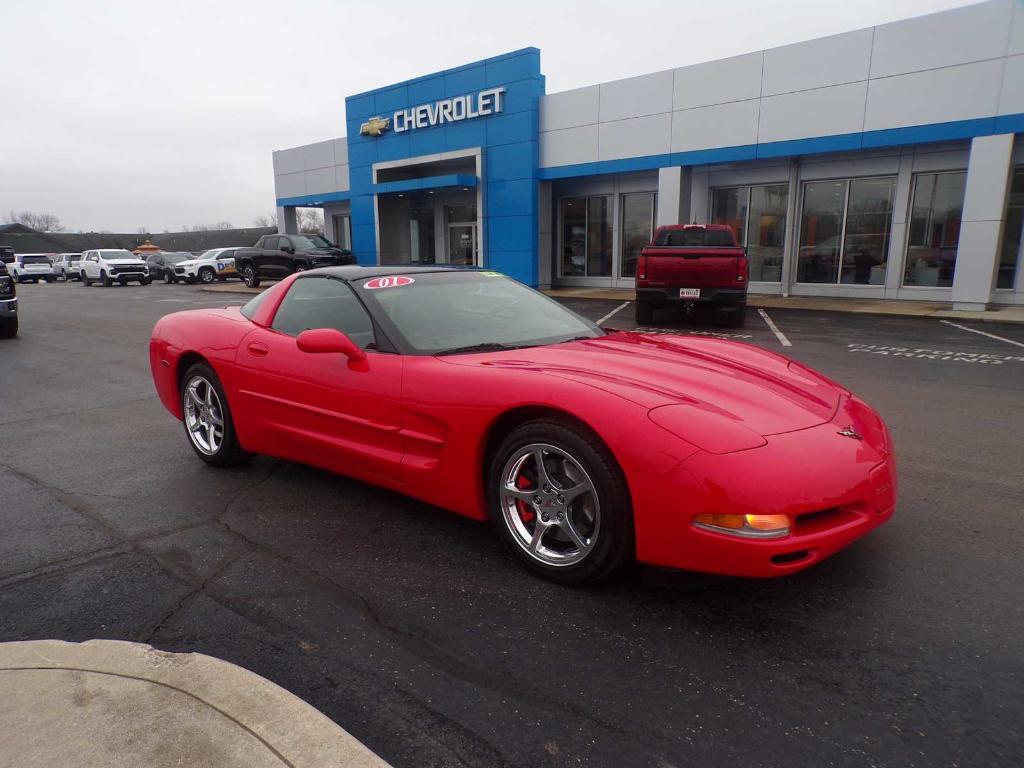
689, 293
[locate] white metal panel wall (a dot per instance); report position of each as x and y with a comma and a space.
313, 169
944, 67
833, 60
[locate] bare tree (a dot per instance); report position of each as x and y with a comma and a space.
208, 227
310, 221
265, 221
142, 231
42, 222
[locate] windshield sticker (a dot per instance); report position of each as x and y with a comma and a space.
393, 281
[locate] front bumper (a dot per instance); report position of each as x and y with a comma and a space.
8, 308
835, 489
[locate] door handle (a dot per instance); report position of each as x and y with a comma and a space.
255, 348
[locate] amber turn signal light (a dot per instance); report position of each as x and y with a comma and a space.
751, 526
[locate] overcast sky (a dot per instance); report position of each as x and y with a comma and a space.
120, 115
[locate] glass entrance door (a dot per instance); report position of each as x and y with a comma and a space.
462, 243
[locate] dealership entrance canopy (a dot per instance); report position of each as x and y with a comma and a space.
879, 163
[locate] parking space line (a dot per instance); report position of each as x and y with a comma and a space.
615, 311
982, 333
775, 329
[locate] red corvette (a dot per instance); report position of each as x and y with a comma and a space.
587, 449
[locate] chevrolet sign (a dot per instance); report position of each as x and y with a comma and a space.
453, 110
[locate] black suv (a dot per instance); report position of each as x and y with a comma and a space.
8, 304
277, 256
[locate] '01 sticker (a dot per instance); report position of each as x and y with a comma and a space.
392, 281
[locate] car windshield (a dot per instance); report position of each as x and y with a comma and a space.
455, 311
174, 258
117, 255
309, 242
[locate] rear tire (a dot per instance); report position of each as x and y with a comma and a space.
203, 404
736, 317
249, 275
8, 328
587, 536
644, 312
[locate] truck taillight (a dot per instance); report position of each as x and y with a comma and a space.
641, 267
741, 269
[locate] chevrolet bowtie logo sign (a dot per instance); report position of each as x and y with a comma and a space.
375, 126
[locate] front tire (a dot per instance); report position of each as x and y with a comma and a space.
207, 418
252, 280
86, 280
167, 278
206, 275
560, 502
145, 281
105, 278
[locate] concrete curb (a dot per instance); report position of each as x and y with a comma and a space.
113, 703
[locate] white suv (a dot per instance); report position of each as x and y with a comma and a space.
108, 265
32, 266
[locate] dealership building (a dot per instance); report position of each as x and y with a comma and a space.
882, 163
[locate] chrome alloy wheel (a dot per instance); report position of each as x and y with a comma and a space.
550, 504
204, 416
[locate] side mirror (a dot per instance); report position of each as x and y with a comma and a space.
324, 340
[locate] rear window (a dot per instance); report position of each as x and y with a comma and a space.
35, 260
696, 238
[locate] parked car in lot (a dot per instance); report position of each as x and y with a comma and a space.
277, 256
161, 265
586, 449
109, 264
211, 265
8, 304
32, 267
693, 264
6, 254
66, 266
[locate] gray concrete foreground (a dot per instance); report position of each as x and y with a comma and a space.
111, 703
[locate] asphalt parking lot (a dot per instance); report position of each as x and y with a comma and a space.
415, 631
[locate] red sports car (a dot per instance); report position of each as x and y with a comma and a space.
587, 449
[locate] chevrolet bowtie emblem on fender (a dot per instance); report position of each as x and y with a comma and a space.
375, 126
850, 432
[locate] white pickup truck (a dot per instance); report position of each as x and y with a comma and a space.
107, 265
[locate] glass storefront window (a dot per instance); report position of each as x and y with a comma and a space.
934, 229
821, 228
586, 236
758, 217
1009, 256
574, 236
868, 223
637, 228
844, 231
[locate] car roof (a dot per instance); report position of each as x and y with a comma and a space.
350, 273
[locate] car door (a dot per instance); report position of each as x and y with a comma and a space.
318, 408
270, 257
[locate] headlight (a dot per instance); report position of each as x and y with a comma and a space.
748, 526
6, 287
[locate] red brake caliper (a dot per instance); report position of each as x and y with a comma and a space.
525, 512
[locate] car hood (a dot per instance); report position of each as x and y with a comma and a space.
740, 383
125, 262
326, 252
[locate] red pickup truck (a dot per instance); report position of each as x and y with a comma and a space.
692, 263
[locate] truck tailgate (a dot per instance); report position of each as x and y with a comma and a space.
692, 267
